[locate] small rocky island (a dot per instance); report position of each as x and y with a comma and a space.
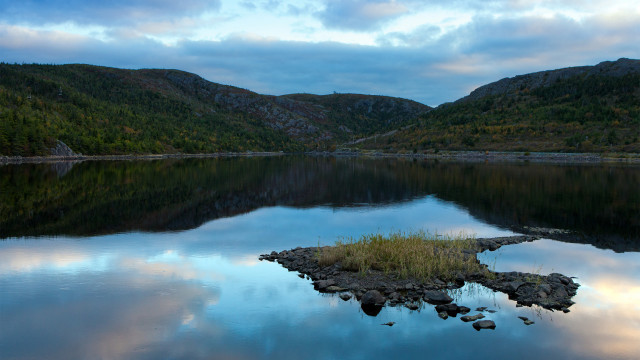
376, 288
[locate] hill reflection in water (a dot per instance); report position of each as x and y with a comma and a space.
601, 202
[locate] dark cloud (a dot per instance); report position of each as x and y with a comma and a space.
106, 13
440, 69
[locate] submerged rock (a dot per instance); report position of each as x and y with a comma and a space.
526, 320
412, 306
484, 324
468, 318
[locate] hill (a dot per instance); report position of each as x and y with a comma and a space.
99, 110
578, 109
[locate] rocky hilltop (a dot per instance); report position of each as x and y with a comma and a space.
305, 117
618, 68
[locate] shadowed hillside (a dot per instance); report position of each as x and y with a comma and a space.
581, 109
601, 203
98, 110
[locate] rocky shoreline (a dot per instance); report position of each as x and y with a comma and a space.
376, 289
75, 158
494, 156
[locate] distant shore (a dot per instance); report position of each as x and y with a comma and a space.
44, 159
491, 156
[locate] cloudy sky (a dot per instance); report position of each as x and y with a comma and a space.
429, 51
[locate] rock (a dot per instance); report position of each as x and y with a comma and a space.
323, 284
463, 309
62, 149
443, 315
528, 322
390, 323
449, 308
545, 287
560, 292
372, 298
484, 324
345, 296
301, 276
475, 317
334, 288
565, 310
492, 311
513, 286
394, 296
437, 297
523, 318
483, 308
412, 306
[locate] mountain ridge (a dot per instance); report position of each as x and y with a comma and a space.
618, 68
100, 110
579, 109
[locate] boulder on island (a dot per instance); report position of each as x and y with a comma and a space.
371, 302
437, 297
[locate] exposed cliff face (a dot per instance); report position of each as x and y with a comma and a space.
61, 149
532, 81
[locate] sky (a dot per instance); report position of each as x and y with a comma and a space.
429, 51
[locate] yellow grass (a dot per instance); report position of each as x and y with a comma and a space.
420, 255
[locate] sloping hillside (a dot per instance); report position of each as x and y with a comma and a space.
99, 110
581, 109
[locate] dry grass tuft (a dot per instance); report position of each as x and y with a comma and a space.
419, 255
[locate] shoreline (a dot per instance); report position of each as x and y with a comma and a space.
474, 156
376, 289
4, 160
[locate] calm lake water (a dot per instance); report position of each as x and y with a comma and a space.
159, 259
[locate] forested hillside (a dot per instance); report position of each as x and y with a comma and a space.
98, 110
583, 109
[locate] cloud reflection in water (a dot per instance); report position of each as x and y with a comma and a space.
202, 294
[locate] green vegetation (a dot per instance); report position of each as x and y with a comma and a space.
103, 197
419, 255
105, 111
576, 114
98, 110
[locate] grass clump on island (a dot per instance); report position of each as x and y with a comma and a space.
419, 255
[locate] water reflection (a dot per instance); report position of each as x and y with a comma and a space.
201, 293
605, 320
600, 202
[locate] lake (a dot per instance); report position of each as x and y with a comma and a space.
159, 259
